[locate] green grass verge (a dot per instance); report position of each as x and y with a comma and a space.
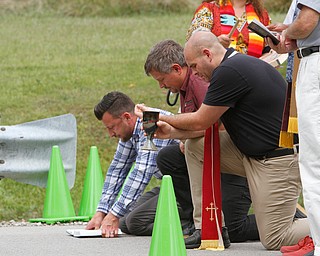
52, 65
57, 65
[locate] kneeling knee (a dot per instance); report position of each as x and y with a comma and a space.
271, 243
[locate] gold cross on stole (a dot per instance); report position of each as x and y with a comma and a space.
211, 208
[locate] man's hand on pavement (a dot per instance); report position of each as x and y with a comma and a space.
110, 226
96, 220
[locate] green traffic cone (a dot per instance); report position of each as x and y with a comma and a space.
167, 238
58, 205
93, 184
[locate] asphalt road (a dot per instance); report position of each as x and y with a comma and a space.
54, 241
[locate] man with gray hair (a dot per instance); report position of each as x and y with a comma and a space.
167, 65
247, 95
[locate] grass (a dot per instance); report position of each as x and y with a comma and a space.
56, 65
94, 8
52, 65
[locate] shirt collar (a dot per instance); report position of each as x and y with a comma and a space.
186, 81
229, 53
137, 128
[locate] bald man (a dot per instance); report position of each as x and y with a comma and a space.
248, 96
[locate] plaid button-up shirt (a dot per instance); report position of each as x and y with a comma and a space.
145, 167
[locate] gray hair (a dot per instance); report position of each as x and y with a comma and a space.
163, 55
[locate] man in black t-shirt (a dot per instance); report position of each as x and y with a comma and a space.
248, 96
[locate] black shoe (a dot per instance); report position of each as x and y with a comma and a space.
299, 214
187, 227
194, 240
225, 237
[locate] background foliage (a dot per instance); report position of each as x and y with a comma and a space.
62, 56
109, 8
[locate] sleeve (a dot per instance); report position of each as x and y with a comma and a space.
202, 18
116, 175
133, 183
313, 4
136, 183
290, 14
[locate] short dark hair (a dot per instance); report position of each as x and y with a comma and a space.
115, 103
163, 55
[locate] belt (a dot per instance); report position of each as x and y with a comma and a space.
307, 51
279, 152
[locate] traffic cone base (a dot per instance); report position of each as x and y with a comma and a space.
58, 205
64, 219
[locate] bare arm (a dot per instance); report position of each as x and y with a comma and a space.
196, 121
187, 125
303, 25
301, 28
166, 131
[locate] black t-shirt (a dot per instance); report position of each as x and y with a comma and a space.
255, 93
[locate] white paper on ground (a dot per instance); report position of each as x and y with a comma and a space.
87, 233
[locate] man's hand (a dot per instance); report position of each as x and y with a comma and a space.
277, 27
96, 220
280, 47
164, 131
181, 146
110, 226
285, 45
140, 108
290, 44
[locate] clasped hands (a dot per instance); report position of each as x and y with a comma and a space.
286, 44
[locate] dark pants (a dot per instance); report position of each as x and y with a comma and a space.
139, 221
236, 201
171, 161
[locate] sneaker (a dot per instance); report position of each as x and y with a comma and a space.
306, 250
292, 248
